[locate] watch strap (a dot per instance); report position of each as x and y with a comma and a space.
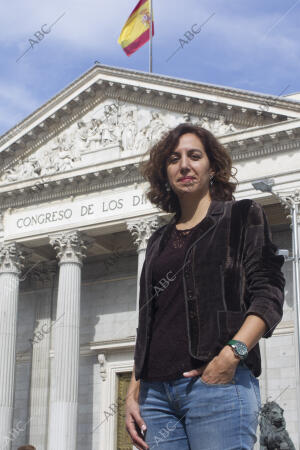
231, 343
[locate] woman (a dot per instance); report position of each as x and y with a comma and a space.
216, 289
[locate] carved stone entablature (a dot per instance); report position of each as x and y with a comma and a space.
142, 229
257, 147
70, 246
11, 258
113, 125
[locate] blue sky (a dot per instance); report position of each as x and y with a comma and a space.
252, 45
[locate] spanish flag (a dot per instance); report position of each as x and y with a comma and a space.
135, 32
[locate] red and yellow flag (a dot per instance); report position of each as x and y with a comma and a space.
135, 32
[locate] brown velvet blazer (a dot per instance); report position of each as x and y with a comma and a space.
230, 270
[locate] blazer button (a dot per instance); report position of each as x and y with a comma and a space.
192, 315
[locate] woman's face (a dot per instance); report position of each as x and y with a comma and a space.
188, 167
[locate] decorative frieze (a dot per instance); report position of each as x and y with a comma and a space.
112, 124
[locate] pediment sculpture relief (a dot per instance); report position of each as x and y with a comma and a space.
218, 127
112, 125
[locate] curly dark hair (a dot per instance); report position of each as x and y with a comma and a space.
154, 169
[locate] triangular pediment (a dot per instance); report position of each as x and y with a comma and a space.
112, 131
113, 115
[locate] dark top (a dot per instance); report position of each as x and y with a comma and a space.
168, 355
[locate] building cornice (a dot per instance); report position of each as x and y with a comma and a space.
70, 186
264, 140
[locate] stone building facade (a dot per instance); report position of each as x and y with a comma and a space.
74, 226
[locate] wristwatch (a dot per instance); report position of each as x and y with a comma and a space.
239, 348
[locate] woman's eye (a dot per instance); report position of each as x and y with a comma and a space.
175, 158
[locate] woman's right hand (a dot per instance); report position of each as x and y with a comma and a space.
134, 423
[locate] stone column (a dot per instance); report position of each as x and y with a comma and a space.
63, 416
11, 260
142, 229
43, 279
291, 202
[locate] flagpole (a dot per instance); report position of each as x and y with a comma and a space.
150, 38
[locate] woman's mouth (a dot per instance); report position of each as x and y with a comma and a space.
186, 179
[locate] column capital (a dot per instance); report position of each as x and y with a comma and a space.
289, 199
70, 246
11, 258
143, 228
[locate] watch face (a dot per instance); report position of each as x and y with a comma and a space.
241, 348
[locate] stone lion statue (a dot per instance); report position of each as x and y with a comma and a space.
273, 435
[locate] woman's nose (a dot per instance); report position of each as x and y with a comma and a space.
184, 163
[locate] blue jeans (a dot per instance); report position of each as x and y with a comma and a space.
190, 414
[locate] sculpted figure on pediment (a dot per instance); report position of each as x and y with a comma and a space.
48, 164
57, 156
142, 142
9, 176
28, 169
218, 126
155, 128
82, 131
94, 133
114, 111
64, 153
97, 131
107, 128
221, 127
129, 131
93, 130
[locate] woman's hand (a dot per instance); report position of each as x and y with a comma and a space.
134, 422
220, 370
